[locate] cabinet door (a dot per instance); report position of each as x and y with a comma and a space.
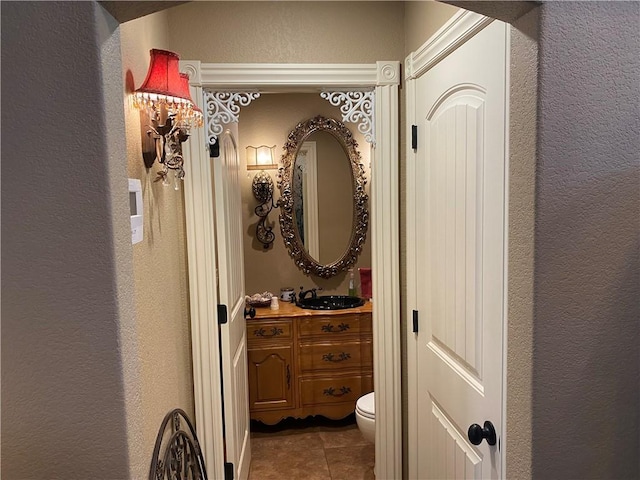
271, 378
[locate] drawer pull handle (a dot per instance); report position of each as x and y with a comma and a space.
330, 328
288, 377
331, 392
330, 357
275, 331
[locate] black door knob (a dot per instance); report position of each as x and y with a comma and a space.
476, 433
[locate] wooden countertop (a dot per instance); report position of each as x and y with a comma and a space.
290, 310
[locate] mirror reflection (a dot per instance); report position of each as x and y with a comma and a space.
324, 215
323, 197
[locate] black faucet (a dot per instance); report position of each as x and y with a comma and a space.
303, 293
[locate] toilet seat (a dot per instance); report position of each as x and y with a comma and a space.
365, 406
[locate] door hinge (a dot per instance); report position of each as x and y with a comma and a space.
228, 471
222, 314
415, 321
414, 137
214, 150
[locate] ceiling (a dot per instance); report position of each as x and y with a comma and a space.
125, 11
505, 11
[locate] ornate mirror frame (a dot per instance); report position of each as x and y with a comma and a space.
290, 234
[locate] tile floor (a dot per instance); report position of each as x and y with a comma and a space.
312, 449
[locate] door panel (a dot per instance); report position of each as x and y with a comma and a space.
271, 377
460, 108
454, 456
233, 340
454, 133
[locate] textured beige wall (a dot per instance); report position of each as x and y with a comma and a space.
268, 121
522, 174
586, 369
159, 261
422, 20
288, 32
66, 261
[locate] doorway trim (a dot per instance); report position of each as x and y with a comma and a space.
384, 78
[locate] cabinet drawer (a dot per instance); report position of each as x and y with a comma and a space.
335, 326
335, 355
271, 330
322, 390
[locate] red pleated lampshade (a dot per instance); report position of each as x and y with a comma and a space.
163, 76
185, 92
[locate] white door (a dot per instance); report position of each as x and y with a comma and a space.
459, 250
228, 210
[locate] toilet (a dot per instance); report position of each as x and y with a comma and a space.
366, 417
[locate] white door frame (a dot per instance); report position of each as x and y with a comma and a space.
384, 78
463, 25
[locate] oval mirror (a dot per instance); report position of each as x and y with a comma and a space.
323, 201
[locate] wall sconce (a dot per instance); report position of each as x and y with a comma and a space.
167, 114
262, 158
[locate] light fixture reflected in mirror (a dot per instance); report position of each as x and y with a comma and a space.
167, 114
262, 158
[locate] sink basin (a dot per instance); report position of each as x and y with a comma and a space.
331, 302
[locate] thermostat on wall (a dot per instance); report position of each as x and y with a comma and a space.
135, 206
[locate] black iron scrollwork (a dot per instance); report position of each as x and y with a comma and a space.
182, 457
330, 328
262, 186
330, 357
331, 392
261, 332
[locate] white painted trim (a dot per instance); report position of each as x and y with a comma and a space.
505, 315
385, 227
201, 257
287, 75
462, 26
385, 77
411, 276
357, 107
222, 108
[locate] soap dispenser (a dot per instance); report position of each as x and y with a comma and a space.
352, 283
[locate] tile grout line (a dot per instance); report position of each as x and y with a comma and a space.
324, 452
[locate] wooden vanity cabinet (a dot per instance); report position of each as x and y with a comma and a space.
305, 362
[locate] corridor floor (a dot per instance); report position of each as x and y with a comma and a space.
313, 449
